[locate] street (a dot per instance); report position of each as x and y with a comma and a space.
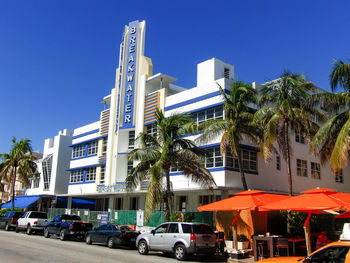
19, 247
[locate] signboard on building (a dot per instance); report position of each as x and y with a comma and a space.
115, 188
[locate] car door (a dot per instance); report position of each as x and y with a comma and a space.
100, 234
170, 237
54, 225
3, 219
22, 222
157, 238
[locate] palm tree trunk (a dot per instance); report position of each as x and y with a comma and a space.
289, 171
13, 188
241, 169
168, 197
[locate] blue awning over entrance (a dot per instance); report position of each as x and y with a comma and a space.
22, 201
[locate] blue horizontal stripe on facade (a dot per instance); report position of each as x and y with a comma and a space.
84, 157
149, 122
88, 182
85, 134
151, 101
87, 166
205, 108
216, 169
123, 153
123, 128
152, 97
90, 140
153, 109
154, 101
150, 116
194, 100
155, 94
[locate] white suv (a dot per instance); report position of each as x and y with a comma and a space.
181, 239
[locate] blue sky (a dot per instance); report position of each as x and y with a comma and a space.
58, 58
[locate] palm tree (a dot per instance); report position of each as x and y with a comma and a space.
237, 124
19, 162
340, 76
165, 150
332, 139
285, 110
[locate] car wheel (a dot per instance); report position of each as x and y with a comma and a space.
142, 247
180, 252
46, 232
110, 243
17, 229
29, 230
63, 235
88, 240
7, 227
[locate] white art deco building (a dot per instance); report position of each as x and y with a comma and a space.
94, 163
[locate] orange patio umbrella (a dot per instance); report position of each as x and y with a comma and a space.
246, 200
318, 200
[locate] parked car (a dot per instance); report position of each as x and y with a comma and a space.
112, 235
337, 252
182, 239
32, 221
67, 226
9, 219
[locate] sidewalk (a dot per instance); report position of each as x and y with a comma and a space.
244, 260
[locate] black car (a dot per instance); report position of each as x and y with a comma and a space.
112, 235
67, 226
9, 219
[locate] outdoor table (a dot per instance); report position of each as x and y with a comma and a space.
270, 241
295, 240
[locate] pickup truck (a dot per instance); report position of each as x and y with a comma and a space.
67, 226
9, 219
32, 221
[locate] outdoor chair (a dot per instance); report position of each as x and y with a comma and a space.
282, 243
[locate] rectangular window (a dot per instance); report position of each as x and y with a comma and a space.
104, 146
209, 114
339, 177
182, 203
151, 129
278, 163
76, 176
119, 203
213, 157
46, 168
78, 151
230, 160
102, 177
131, 140
92, 148
130, 166
301, 168
299, 137
249, 160
134, 203
315, 170
226, 73
90, 174
205, 199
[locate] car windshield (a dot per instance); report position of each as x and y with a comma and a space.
38, 215
202, 229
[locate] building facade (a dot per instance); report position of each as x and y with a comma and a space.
91, 161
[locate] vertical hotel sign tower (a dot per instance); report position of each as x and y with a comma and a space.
127, 99
130, 72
